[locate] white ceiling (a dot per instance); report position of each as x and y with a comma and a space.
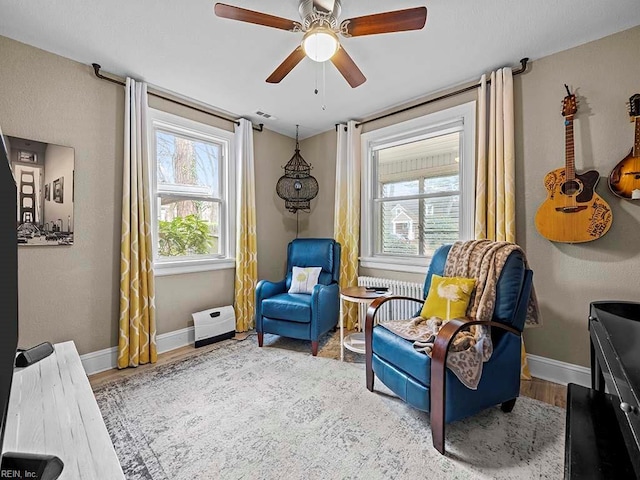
181, 46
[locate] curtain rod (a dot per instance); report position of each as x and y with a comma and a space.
523, 67
96, 70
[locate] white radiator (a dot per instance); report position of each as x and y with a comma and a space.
214, 325
397, 309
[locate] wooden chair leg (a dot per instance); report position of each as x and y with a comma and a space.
508, 405
260, 339
437, 415
314, 348
437, 434
370, 379
368, 350
437, 389
370, 376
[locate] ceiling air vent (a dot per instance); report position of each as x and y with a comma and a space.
265, 115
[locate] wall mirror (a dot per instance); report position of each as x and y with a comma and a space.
44, 175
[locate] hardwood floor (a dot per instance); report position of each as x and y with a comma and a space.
172, 356
536, 388
547, 392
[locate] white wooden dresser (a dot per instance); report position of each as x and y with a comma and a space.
52, 411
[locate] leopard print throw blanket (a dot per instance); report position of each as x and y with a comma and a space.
482, 260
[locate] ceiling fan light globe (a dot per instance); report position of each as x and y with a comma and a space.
320, 44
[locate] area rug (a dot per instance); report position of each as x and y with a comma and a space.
243, 412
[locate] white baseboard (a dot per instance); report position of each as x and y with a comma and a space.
176, 339
107, 359
558, 372
96, 362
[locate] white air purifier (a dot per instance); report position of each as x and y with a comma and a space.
214, 325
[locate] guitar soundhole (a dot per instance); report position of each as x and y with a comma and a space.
571, 188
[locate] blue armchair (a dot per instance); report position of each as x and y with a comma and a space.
299, 315
425, 383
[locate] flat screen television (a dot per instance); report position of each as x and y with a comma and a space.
8, 283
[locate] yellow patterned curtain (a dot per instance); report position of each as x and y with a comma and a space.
246, 244
346, 225
137, 321
495, 176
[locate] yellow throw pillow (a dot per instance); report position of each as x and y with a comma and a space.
453, 290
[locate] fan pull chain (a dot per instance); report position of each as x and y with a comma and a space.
324, 85
315, 90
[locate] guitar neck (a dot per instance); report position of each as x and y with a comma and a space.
636, 143
570, 158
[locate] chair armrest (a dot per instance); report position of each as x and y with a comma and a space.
439, 365
372, 311
320, 291
266, 289
325, 308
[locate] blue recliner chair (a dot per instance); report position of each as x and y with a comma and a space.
299, 315
425, 383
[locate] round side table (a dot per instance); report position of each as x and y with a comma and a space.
358, 295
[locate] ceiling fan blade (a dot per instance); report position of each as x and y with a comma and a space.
348, 68
324, 5
285, 67
251, 16
387, 22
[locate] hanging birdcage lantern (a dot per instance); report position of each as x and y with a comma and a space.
297, 187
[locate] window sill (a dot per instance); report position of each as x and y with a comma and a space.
396, 264
162, 269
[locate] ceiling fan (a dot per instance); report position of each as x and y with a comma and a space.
321, 28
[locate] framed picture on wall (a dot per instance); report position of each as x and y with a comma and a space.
58, 190
44, 214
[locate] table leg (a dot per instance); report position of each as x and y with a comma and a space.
341, 330
597, 377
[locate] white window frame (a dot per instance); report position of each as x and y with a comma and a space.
459, 118
167, 122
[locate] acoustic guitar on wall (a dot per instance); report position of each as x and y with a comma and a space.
624, 180
572, 212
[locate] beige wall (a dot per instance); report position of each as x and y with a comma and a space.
320, 152
72, 292
605, 74
275, 226
567, 277
69, 292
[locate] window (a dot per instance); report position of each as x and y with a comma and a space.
192, 195
418, 188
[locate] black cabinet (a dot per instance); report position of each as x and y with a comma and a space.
603, 429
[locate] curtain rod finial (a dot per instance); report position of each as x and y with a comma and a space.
523, 65
96, 71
